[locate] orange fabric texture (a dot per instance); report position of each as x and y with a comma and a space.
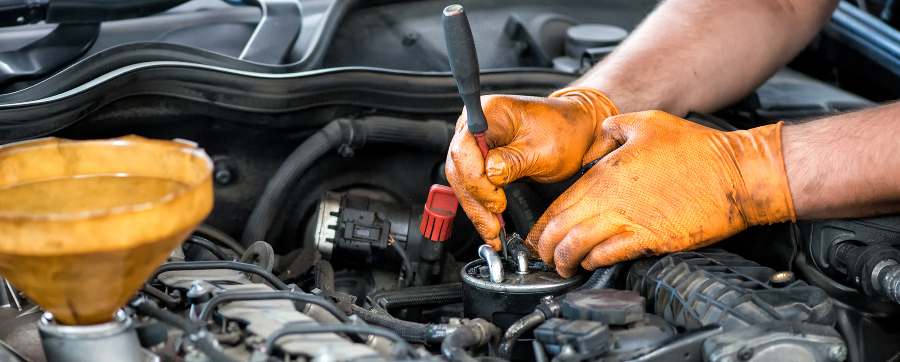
672, 185
546, 139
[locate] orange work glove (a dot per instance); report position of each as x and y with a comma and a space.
672, 185
547, 139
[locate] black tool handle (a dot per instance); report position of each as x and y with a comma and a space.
464, 65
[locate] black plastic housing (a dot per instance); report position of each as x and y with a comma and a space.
695, 289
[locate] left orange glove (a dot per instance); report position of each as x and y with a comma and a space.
672, 185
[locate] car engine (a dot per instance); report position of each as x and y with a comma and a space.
334, 237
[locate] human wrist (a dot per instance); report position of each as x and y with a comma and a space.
764, 194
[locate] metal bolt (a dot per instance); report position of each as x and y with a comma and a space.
223, 176
222, 170
837, 353
410, 38
781, 279
745, 353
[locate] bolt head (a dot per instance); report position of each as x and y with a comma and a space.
837, 353
745, 353
223, 176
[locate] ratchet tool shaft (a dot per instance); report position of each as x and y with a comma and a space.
464, 65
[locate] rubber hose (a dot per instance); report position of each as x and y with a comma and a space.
168, 300
419, 296
297, 162
193, 332
516, 330
455, 345
231, 265
431, 135
407, 272
215, 301
410, 331
603, 278
208, 246
220, 237
524, 207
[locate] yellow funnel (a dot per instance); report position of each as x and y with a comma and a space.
84, 223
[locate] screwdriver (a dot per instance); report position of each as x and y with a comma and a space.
464, 65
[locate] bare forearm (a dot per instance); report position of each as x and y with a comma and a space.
700, 55
846, 165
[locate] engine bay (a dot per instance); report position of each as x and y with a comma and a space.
334, 238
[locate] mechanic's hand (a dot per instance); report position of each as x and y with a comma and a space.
673, 185
547, 139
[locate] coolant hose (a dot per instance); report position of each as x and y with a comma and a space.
474, 333
430, 135
419, 296
410, 331
516, 330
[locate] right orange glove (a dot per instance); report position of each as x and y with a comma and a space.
547, 139
672, 185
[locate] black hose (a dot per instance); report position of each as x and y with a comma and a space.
168, 300
516, 330
440, 294
232, 265
268, 205
219, 236
433, 135
208, 245
308, 328
410, 331
193, 332
455, 345
603, 278
407, 272
471, 334
236, 296
524, 207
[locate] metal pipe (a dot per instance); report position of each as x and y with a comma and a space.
494, 263
521, 262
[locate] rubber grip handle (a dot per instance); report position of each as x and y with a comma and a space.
464, 65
